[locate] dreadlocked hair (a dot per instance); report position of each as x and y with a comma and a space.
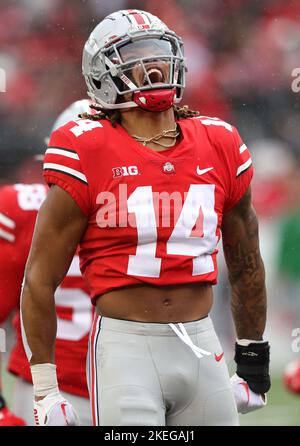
114, 116
185, 112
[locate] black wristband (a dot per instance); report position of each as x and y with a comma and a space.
253, 365
2, 402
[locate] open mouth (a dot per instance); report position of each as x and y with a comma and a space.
155, 76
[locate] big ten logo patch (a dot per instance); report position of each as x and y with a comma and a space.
125, 171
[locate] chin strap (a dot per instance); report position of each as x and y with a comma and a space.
155, 100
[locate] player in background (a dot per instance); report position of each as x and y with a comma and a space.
19, 204
8, 418
291, 376
154, 357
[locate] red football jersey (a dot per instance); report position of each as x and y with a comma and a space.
153, 217
19, 205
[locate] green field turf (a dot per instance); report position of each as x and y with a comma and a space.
7, 383
283, 408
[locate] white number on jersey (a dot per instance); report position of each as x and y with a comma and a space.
200, 201
144, 263
215, 121
30, 196
76, 299
84, 125
198, 206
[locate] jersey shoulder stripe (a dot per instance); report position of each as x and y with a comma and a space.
245, 157
243, 148
244, 167
63, 152
63, 164
66, 170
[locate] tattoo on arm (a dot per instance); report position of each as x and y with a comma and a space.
246, 270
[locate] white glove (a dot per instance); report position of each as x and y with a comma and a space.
246, 400
54, 410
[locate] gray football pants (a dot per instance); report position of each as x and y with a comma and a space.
144, 374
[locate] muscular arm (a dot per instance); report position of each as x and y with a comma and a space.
246, 269
58, 230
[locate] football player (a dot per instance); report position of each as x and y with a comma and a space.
146, 188
19, 204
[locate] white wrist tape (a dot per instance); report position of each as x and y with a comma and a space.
246, 342
44, 379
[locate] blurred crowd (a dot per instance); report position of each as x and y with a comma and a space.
240, 54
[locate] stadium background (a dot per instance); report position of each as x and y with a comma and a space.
240, 55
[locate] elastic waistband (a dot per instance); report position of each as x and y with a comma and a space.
153, 329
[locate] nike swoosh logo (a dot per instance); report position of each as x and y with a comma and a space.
219, 357
63, 408
202, 171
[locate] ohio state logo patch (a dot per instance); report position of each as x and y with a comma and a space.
168, 167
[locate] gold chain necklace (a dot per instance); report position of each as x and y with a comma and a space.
155, 139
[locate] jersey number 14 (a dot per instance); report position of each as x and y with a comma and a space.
183, 241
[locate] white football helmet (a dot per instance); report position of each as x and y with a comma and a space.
69, 114
133, 51
72, 112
